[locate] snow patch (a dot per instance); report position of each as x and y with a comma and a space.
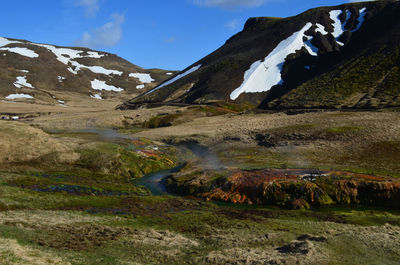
66, 56
338, 26
72, 70
101, 85
96, 69
96, 96
63, 55
60, 78
17, 96
264, 74
361, 19
191, 70
144, 78
95, 55
22, 51
310, 47
4, 42
24, 71
140, 86
22, 82
320, 28
169, 73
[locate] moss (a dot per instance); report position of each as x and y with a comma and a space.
161, 121
129, 160
344, 129
286, 193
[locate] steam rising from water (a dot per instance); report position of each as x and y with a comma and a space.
208, 159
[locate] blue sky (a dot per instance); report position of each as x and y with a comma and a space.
168, 34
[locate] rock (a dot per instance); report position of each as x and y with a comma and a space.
297, 247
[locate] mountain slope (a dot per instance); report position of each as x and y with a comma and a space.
30, 71
327, 57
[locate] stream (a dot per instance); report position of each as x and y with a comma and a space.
155, 181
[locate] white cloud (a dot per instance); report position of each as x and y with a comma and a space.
91, 6
228, 4
106, 36
233, 24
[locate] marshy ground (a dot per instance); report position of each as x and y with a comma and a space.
67, 192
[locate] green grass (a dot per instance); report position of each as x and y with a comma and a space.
344, 129
215, 226
161, 121
376, 70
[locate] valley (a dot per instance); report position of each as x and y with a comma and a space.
281, 147
72, 193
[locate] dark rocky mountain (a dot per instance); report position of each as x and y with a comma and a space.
30, 71
328, 57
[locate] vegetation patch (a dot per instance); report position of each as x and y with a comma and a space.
344, 129
161, 120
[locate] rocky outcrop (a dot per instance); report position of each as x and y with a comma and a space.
290, 188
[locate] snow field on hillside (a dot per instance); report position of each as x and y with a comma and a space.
176, 78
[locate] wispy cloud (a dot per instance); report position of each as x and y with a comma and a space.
91, 6
107, 35
170, 39
229, 4
233, 24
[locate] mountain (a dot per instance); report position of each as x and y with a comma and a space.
345, 56
37, 72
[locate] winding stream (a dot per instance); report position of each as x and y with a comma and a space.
155, 181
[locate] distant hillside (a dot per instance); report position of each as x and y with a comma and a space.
329, 57
33, 72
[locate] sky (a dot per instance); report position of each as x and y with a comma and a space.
166, 34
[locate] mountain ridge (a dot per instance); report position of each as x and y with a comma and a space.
33, 71
333, 30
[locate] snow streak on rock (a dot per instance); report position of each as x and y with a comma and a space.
18, 96
22, 82
22, 51
338, 26
176, 78
144, 78
101, 85
361, 19
264, 74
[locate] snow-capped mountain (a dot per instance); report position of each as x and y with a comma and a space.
32, 71
345, 56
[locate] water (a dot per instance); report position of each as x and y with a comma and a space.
155, 181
